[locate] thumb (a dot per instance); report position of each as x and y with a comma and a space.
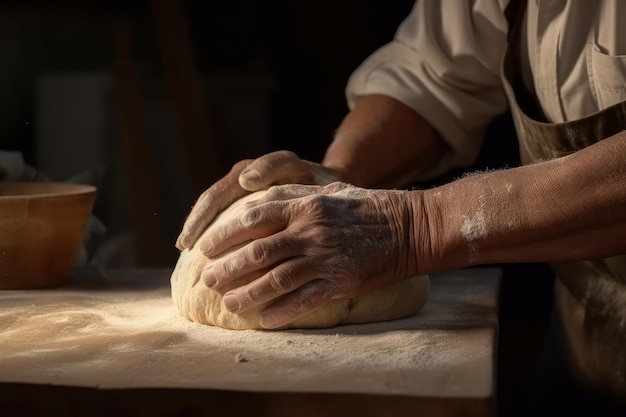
252, 180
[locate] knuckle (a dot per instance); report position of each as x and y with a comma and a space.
306, 303
314, 202
205, 198
250, 218
221, 270
265, 163
241, 165
250, 297
274, 192
287, 155
336, 186
319, 204
280, 281
257, 253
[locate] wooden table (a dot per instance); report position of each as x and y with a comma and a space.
113, 344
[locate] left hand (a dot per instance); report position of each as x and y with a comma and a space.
321, 243
280, 167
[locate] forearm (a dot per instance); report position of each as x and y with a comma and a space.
567, 209
383, 143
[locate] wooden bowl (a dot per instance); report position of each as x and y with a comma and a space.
41, 229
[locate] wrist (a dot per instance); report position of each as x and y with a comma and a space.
412, 236
432, 245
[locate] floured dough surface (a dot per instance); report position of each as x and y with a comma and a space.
197, 302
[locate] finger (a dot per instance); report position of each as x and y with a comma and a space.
284, 192
280, 167
253, 223
307, 299
219, 196
257, 255
282, 279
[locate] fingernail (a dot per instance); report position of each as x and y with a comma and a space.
180, 243
232, 303
251, 175
209, 278
206, 248
268, 321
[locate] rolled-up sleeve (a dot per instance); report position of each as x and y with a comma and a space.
444, 63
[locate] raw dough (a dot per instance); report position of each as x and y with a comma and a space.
201, 304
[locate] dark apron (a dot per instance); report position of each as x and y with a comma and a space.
590, 295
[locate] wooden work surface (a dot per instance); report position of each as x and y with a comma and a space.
115, 338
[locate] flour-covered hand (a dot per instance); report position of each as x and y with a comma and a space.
318, 242
281, 167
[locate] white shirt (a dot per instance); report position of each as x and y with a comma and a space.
444, 63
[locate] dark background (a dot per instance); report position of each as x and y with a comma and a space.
271, 75
307, 48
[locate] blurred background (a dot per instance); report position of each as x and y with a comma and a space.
154, 100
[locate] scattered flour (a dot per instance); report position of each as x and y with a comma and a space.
474, 227
134, 336
136, 328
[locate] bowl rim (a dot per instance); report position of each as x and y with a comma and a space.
60, 189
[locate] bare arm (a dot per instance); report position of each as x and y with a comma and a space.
383, 143
570, 208
321, 243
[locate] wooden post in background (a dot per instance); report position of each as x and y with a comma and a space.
184, 85
151, 245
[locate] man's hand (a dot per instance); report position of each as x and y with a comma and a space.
282, 167
319, 243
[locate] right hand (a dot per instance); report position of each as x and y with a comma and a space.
247, 176
309, 245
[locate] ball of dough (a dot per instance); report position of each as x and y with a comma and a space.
197, 302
